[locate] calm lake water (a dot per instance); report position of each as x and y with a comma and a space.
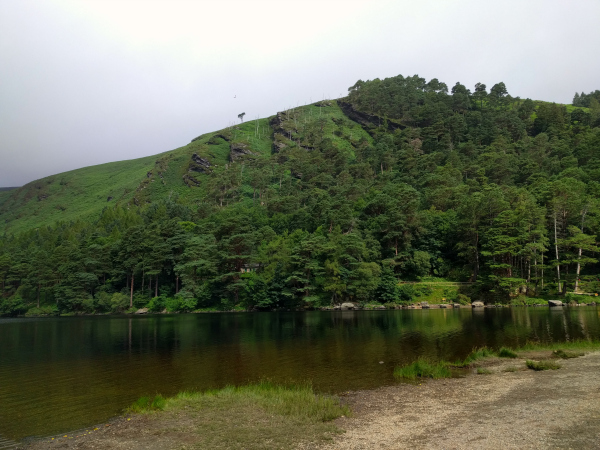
61, 374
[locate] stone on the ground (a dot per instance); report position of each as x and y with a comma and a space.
477, 304
142, 311
554, 303
457, 305
347, 306
443, 306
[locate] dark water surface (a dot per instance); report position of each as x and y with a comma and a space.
60, 374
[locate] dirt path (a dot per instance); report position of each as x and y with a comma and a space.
519, 409
522, 409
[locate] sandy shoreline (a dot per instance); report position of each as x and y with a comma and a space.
504, 409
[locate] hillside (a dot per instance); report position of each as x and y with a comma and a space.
340, 200
84, 193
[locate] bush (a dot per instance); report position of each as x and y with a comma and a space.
406, 293
463, 299
139, 300
118, 302
88, 305
180, 303
12, 306
156, 304
43, 311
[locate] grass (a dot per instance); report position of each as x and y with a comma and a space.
83, 193
423, 368
566, 354
256, 416
571, 345
506, 353
147, 404
542, 365
483, 371
475, 355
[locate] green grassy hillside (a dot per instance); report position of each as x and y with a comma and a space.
68, 196
83, 193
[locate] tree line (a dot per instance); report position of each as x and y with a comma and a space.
471, 186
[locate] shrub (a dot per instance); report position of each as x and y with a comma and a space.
12, 306
156, 304
119, 302
51, 310
542, 365
463, 299
181, 304
88, 305
406, 293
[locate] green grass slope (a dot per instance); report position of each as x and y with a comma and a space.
71, 195
83, 193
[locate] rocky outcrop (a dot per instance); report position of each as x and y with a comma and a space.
280, 135
477, 305
239, 150
347, 306
199, 164
142, 311
552, 303
425, 305
367, 121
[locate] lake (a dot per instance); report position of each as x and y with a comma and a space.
61, 374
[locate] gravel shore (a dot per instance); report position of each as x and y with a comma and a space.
519, 409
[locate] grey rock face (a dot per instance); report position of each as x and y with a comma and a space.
552, 303
199, 164
238, 150
477, 305
347, 306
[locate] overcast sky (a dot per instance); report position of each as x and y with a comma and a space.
86, 82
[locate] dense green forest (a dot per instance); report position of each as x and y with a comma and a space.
336, 201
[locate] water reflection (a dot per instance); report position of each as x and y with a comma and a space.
64, 373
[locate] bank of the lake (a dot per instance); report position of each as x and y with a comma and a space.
499, 404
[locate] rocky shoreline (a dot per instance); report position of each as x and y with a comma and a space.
343, 307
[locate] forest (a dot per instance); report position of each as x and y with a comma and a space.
402, 180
